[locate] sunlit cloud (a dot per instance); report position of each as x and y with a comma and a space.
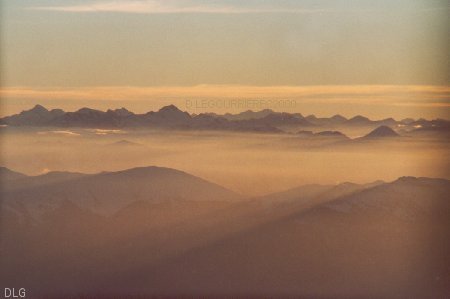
59, 132
206, 6
103, 132
44, 171
173, 6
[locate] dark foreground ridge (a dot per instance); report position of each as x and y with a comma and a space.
158, 232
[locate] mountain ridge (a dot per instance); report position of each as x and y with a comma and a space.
171, 117
107, 192
340, 233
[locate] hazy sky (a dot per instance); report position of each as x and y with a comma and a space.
75, 45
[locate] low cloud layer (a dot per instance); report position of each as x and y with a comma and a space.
59, 132
392, 94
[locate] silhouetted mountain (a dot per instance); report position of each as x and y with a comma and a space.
433, 131
206, 120
381, 132
106, 193
249, 114
335, 120
125, 143
409, 198
282, 118
86, 117
359, 120
335, 134
435, 123
209, 122
8, 175
426, 128
120, 112
322, 134
25, 182
387, 122
338, 118
170, 117
333, 250
313, 194
340, 121
379, 240
36, 116
407, 121
311, 118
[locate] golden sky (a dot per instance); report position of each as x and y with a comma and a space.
377, 58
376, 101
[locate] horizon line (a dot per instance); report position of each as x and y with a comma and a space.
218, 114
400, 101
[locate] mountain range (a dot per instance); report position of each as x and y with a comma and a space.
107, 192
155, 231
170, 117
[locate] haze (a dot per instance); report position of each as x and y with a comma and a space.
124, 175
251, 164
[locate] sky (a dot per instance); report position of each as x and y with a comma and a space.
376, 58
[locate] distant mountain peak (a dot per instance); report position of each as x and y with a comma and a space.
8, 174
407, 179
381, 132
248, 115
359, 118
331, 134
39, 108
87, 110
120, 112
106, 193
169, 108
338, 117
407, 120
169, 116
326, 134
